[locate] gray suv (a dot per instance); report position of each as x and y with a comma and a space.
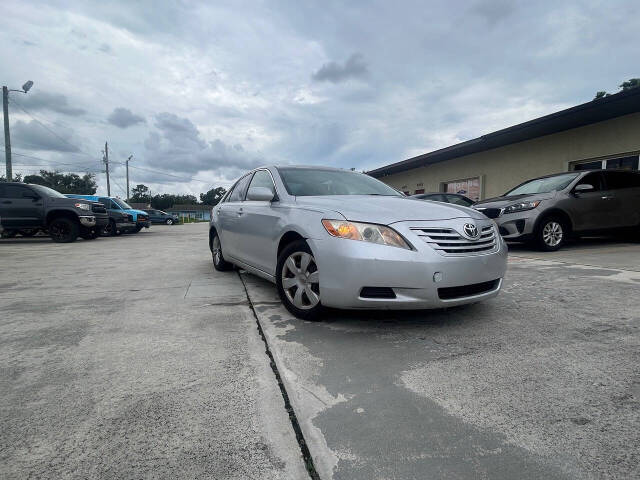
547, 210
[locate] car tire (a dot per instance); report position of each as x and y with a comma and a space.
9, 233
137, 229
169, 221
90, 234
63, 230
551, 233
219, 263
110, 230
297, 281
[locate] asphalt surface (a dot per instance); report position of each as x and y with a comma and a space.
130, 357
542, 382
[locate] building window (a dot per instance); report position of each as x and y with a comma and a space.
469, 187
420, 190
624, 163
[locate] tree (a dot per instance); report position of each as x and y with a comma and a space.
65, 182
140, 193
629, 84
601, 94
213, 196
16, 178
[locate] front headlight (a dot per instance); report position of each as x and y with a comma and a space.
521, 206
83, 206
366, 232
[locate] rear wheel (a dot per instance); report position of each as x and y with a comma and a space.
110, 229
297, 278
63, 230
551, 233
90, 234
219, 263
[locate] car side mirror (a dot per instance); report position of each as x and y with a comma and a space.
262, 194
584, 187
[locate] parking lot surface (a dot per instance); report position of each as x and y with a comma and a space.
131, 358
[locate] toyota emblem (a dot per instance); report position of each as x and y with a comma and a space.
471, 231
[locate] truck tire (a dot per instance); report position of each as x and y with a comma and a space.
138, 228
63, 230
90, 234
169, 221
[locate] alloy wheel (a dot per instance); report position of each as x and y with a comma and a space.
300, 280
552, 234
216, 251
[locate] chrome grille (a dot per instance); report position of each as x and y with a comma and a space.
448, 241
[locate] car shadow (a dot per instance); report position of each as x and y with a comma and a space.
577, 243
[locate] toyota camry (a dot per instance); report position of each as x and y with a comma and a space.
338, 238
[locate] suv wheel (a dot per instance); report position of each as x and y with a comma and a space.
297, 281
91, 234
169, 221
219, 263
551, 233
63, 230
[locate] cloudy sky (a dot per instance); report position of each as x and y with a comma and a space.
199, 92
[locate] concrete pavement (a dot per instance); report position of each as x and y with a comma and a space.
541, 382
130, 357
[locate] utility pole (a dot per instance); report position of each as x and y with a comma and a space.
127, 162
106, 162
7, 137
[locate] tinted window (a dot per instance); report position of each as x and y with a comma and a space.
594, 179
105, 201
308, 181
239, 190
457, 200
262, 178
16, 191
544, 185
617, 180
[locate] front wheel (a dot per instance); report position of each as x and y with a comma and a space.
219, 263
63, 230
138, 228
169, 221
551, 234
91, 234
297, 279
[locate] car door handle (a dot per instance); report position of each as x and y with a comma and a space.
607, 197
6, 202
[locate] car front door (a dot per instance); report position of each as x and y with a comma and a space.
20, 206
230, 213
589, 209
259, 227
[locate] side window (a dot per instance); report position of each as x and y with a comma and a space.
239, 190
114, 205
594, 179
105, 201
16, 191
618, 180
262, 178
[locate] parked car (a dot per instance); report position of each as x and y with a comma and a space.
28, 208
338, 238
547, 210
140, 218
158, 216
455, 198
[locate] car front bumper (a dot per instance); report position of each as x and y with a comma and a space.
125, 225
143, 223
519, 225
415, 276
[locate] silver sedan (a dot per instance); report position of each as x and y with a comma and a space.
337, 238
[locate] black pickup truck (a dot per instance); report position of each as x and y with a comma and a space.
26, 207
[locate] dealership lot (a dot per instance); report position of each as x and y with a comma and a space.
133, 358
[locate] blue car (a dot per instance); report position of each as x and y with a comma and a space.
140, 217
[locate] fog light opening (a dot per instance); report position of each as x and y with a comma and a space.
437, 277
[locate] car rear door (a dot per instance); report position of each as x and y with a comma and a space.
230, 212
258, 227
20, 206
623, 190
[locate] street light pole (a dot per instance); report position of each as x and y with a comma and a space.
7, 137
127, 163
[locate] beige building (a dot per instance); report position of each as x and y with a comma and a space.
604, 133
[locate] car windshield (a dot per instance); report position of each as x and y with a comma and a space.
50, 192
303, 182
543, 185
124, 205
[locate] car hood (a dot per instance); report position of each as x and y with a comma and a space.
386, 210
500, 202
137, 212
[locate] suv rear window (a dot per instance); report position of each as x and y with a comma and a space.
618, 180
